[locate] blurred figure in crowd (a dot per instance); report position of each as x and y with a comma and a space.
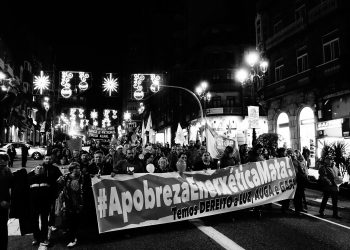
6, 179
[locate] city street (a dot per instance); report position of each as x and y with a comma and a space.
30, 164
175, 125
236, 230
274, 231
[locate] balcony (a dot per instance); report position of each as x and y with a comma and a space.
286, 32
288, 84
322, 9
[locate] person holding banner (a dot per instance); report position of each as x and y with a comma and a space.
205, 164
181, 164
130, 165
163, 166
98, 167
229, 158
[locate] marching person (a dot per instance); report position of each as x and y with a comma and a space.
43, 192
118, 155
73, 197
329, 174
6, 179
98, 167
130, 165
181, 164
205, 163
229, 158
163, 166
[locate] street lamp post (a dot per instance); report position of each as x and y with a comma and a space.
203, 94
47, 107
255, 72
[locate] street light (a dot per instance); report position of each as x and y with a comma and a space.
257, 67
203, 94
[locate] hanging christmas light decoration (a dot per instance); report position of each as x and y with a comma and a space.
94, 115
106, 113
81, 113
155, 83
83, 85
141, 108
114, 116
41, 82
110, 84
138, 79
66, 76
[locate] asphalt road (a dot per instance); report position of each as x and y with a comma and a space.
235, 230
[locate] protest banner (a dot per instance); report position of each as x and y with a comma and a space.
100, 133
130, 201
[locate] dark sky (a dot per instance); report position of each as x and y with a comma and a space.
100, 37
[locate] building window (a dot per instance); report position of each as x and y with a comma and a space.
216, 101
331, 50
302, 60
230, 101
279, 70
300, 13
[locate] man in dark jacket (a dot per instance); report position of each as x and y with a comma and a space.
329, 174
130, 165
43, 192
98, 166
205, 163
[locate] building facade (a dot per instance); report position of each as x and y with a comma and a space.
307, 93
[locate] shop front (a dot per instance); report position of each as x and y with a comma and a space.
307, 132
163, 136
232, 127
283, 130
329, 132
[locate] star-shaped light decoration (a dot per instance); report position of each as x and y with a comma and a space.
41, 82
110, 84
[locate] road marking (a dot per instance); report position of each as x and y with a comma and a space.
319, 200
314, 216
218, 237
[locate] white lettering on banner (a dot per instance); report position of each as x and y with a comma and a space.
237, 180
102, 202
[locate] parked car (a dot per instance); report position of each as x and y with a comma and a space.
36, 152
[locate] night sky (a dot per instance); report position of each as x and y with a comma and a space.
137, 36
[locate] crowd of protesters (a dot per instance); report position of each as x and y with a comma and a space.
61, 185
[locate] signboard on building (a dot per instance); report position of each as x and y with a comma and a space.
101, 133
253, 116
337, 123
214, 111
